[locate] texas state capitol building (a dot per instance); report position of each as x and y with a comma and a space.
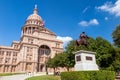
36, 45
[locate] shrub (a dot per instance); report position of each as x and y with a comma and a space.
88, 75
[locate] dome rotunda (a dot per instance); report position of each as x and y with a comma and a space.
35, 18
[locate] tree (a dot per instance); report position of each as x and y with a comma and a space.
69, 60
51, 64
116, 39
116, 63
58, 61
116, 36
105, 53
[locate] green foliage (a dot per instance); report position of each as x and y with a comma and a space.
51, 63
62, 60
116, 39
44, 78
116, 63
116, 36
104, 51
106, 55
88, 75
70, 60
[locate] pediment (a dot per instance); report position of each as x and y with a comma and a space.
47, 31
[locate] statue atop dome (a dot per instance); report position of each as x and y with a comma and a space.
35, 10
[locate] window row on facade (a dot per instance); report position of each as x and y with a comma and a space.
8, 60
7, 68
44, 51
33, 22
43, 59
29, 49
8, 53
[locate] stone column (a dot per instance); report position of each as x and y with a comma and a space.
4, 61
3, 68
9, 69
4, 58
24, 67
35, 67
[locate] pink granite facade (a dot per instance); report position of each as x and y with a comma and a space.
36, 45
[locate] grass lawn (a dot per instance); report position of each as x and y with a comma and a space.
44, 78
9, 74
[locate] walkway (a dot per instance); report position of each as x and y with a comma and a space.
117, 77
20, 76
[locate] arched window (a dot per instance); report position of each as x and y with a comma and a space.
44, 50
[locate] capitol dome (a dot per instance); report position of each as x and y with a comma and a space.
35, 18
35, 15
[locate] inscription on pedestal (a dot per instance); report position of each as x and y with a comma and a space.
85, 60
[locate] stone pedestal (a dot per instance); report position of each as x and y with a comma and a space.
85, 60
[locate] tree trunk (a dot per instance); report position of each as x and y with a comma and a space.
54, 71
68, 69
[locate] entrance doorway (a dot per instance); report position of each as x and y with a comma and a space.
43, 53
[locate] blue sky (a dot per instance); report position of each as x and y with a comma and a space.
67, 18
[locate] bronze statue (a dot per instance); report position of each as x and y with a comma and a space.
82, 40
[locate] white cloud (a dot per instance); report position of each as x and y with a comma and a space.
83, 23
111, 8
65, 40
106, 18
88, 23
85, 9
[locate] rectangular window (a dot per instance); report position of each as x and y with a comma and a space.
57, 45
15, 46
1, 59
88, 58
78, 58
8, 53
14, 54
29, 49
14, 60
30, 41
7, 60
1, 53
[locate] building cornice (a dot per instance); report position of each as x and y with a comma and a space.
42, 39
8, 48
